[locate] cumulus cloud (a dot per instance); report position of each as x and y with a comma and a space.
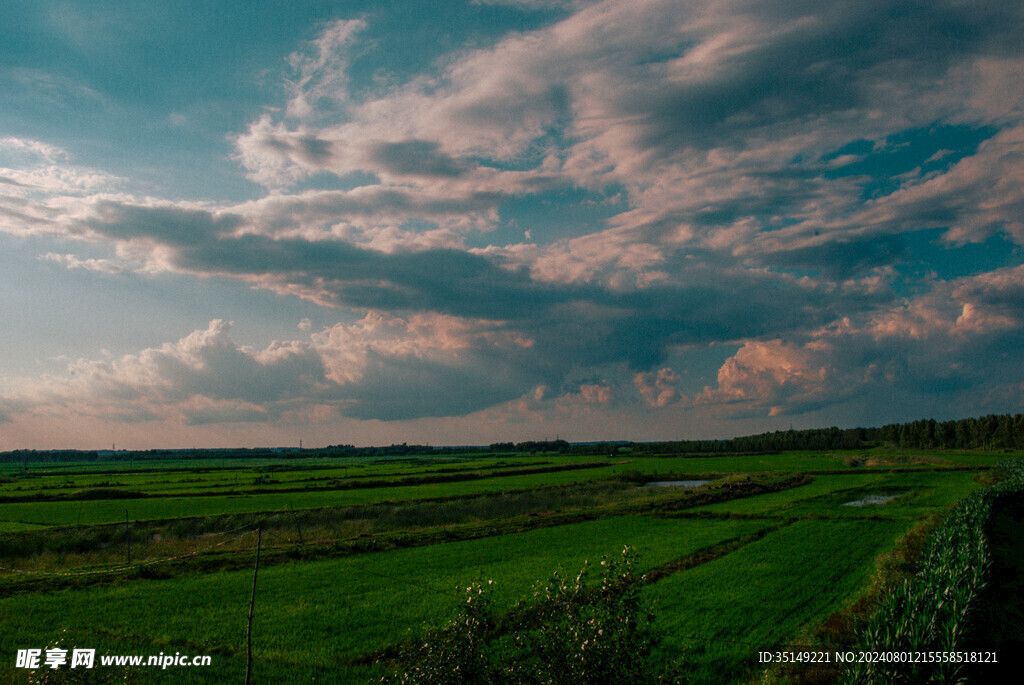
203, 371
961, 335
769, 163
716, 117
426, 365
363, 370
659, 389
771, 373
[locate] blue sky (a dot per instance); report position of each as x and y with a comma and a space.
251, 223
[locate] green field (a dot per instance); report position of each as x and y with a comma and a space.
758, 597
362, 557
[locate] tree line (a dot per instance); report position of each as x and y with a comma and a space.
532, 446
995, 431
101, 456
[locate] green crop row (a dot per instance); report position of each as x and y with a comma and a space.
92, 512
317, 529
719, 615
932, 611
233, 479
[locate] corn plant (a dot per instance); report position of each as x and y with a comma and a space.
933, 610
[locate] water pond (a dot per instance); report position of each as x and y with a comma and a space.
678, 483
870, 499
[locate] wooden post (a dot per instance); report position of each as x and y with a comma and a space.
252, 607
127, 536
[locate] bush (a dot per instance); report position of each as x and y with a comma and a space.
570, 633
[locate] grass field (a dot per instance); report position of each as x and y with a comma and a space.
722, 613
360, 557
100, 511
374, 599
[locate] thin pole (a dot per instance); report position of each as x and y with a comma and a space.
252, 607
298, 526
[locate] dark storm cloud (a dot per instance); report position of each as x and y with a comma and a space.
571, 326
396, 389
710, 300
447, 281
1000, 291
442, 280
173, 226
815, 61
417, 158
839, 260
303, 147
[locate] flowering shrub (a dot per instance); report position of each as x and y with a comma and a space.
571, 632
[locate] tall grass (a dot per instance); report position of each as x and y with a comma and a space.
933, 610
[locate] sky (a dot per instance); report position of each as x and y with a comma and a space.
252, 223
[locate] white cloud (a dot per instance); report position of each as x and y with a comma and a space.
771, 373
41, 169
74, 262
320, 73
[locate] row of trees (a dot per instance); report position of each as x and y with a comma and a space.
987, 432
532, 446
994, 431
59, 456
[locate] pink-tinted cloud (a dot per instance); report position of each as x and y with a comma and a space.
946, 340
658, 390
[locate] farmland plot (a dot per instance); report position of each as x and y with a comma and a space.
361, 558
